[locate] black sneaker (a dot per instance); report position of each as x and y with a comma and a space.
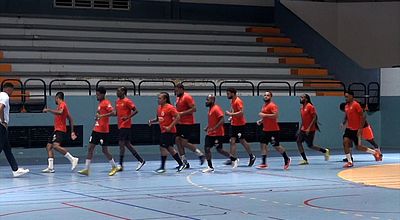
202, 159
345, 159
181, 167
252, 160
187, 166
228, 162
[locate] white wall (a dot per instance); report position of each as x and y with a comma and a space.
390, 81
367, 32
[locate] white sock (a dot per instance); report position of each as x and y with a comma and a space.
348, 156
369, 150
198, 152
112, 162
51, 163
87, 164
69, 157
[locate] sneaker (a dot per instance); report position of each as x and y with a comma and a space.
140, 165
348, 165
160, 170
120, 168
262, 166
74, 163
208, 170
202, 159
187, 165
252, 160
378, 155
303, 162
181, 167
235, 163
113, 171
345, 159
48, 170
84, 172
21, 171
327, 154
228, 162
287, 164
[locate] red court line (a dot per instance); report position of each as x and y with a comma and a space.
33, 210
308, 203
95, 211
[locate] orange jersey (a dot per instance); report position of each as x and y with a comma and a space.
166, 115
308, 113
60, 121
102, 125
237, 105
354, 114
214, 116
124, 108
182, 104
270, 124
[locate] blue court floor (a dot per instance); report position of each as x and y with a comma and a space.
303, 192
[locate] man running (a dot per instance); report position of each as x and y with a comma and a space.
8, 89
215, 131
238, 126
309, 124
271, 131
354, 121
125, 110
186, 107
100, 132
60, 129
167, 116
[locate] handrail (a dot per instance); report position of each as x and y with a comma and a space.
21, 87
274, 82
235, 81
70, 80
145, 81
377, 96
364, 90
318, 82
202, 81
44, 95
118, 80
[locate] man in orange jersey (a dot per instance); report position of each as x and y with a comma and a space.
215, 131
238, 126
60, 128
271, 131
367, 132
100, 132
186, 107
167, 116
125, 110
354, 121
309, 124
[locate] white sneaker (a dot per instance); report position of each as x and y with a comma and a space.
74, 163
140, 165
48, 170
235, 163
208, 170
20, 172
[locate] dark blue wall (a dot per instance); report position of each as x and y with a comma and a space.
148, 10
326, 54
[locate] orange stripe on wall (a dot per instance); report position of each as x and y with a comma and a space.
5, 68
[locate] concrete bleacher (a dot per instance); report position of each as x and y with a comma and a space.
53, 48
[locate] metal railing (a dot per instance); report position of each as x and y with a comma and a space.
275, 82
115, 86
236, 82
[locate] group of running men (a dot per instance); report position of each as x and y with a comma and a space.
176, 121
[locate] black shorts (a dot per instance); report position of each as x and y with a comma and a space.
212, 141
98, 138
238, 131
184, 131
352, 135
57, 137
308, 138
270, 137
167, 140
124, 134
